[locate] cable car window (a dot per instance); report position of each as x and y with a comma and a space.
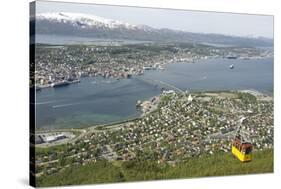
248, 150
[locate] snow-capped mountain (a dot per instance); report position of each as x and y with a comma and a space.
86, 20
85, 25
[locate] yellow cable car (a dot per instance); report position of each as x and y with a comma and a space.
240, 148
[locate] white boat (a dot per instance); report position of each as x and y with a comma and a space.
231, 66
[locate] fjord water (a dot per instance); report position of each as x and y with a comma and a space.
215, 74
96, 101
90, 102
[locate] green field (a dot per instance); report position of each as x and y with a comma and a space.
218, 164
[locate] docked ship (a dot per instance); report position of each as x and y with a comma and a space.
60, 84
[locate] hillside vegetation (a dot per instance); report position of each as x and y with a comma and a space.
219, 164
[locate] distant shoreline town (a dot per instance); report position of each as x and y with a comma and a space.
63, 65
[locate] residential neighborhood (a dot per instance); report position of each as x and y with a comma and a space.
177, 126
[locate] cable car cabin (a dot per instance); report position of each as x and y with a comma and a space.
242, 150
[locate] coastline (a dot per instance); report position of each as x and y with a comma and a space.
160, 67
128, 122
250, 91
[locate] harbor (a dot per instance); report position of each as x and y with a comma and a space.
96, 101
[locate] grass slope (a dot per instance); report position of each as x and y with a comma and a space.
218, 164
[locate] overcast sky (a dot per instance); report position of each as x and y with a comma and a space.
192, 21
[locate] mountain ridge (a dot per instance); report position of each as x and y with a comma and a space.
86, 25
